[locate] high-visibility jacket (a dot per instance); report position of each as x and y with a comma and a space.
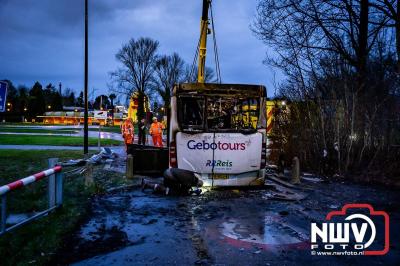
156, 129
127, 131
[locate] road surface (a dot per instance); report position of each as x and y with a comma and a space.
227, 227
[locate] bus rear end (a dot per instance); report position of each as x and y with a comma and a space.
217, 131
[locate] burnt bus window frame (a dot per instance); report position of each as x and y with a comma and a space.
185, 127
246, 101
205, 127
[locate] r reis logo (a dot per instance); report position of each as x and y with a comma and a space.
357, 229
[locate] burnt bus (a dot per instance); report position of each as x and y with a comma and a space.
218, 132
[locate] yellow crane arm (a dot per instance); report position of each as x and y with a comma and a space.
203, 42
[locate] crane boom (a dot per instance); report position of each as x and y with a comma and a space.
203, 42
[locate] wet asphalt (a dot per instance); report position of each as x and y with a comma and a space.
222, 227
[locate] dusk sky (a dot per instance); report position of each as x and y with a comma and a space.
42, 40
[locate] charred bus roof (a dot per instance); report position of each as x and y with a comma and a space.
216, 89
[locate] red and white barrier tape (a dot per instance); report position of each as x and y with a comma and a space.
27, 180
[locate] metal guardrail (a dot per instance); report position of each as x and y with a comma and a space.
55, 196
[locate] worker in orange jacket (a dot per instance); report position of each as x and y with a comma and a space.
156, 130
128, 132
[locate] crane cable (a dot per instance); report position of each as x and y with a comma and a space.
194, 63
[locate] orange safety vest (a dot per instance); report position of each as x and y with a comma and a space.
127, 130
156, 129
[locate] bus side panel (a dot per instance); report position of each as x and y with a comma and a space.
219, 153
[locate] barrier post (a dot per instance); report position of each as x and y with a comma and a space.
89, 181
3, 213
296, 171
52, 183
129, 166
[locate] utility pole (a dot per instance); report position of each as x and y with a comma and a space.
86, 115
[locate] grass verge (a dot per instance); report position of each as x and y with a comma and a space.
37, 243
53, 140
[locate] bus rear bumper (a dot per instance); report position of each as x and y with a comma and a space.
254, 178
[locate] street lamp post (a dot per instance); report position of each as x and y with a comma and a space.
86, 114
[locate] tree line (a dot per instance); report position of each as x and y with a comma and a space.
34, 101
342, 63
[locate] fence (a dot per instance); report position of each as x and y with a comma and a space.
55, 195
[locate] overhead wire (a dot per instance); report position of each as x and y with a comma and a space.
194, 63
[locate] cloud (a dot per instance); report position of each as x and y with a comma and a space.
43, 39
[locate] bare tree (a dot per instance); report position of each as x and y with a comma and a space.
391, 10
337, 73
138, 58
316, 27
169, 70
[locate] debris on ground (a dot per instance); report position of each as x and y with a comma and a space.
111, 160
279, 192
104, 156
282, 182
312, 179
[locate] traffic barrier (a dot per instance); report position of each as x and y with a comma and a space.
55, 195
28, 180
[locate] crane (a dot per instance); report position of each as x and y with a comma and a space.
201, 51
203, 42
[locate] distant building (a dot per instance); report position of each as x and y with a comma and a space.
72, 115
76, 117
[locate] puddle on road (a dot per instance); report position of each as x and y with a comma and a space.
268, 232
131, 213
